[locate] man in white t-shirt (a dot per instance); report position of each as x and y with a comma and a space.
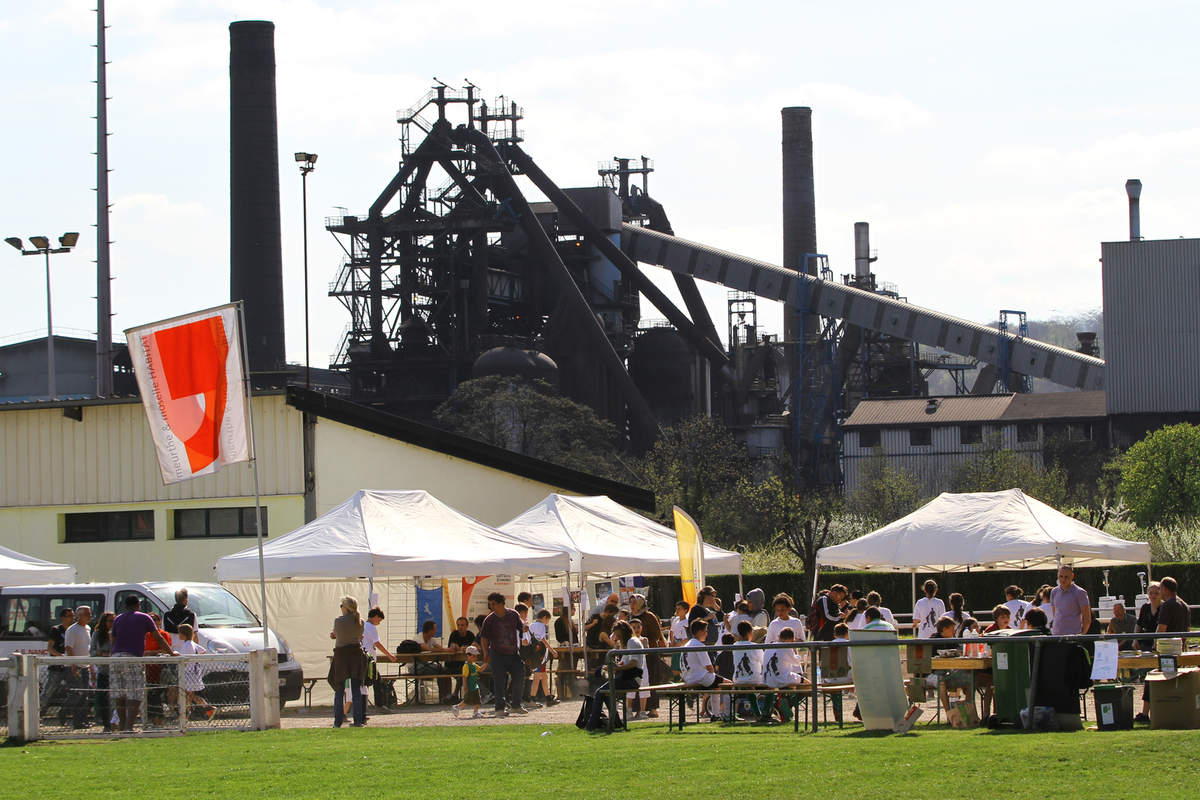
784, 620
77, 641
928, 610
1016, 606
885, 613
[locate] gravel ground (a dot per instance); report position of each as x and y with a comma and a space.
423, 716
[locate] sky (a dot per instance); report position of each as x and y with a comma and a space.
987, 145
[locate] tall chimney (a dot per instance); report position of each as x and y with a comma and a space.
255, 258
1133, 188
799, 198
862, 251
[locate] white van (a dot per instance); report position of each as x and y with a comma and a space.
224, 624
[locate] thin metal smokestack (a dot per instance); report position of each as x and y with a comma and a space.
255, 258
104, 353
1133, 188
862, 251
799, 197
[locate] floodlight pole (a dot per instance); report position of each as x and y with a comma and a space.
41, 247
49, 332
307, 163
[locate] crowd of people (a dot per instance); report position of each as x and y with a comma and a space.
506, 660
111, 696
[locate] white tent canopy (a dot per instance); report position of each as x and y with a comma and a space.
605, 538
983, 530
18, 568
380, 534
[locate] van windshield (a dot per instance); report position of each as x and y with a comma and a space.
213, 606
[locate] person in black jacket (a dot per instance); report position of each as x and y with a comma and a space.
179, 614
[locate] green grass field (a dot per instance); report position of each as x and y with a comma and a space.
518, 761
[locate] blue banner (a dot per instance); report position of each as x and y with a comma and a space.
429, 606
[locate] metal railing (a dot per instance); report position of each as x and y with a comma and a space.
1033, 640
55, 697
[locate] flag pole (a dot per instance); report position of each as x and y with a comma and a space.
248, 393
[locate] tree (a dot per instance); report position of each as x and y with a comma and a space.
996, 469
1160, 477
1093, 478
530, 417
884, 494
776, 511
695, 465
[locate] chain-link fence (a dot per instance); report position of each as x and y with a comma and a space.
96, 697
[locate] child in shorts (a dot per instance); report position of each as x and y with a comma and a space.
637, 700
781, 670
193, 678
539, 632
470, 674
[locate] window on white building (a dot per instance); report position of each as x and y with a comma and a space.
920, 437
108, 526
868, 438
199, 523
1027, 432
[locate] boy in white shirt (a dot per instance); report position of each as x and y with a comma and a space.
1016, 606
697, 668
928, 610
781, 670
875, 599
679, 632
747, 671
784, 620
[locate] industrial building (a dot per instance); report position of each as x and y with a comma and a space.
451, 272
932, 437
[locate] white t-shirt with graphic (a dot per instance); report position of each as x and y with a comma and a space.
794, 623
747, 666
1017, 608
926, 613
781, 668
679, 629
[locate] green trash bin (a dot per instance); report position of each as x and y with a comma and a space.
1114, 707
1010, 676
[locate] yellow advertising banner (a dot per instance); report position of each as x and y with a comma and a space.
691, 554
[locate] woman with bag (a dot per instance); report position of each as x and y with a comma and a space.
349, 663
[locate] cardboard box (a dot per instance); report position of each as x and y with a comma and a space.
1175, 702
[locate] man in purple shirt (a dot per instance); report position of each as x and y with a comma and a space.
499, 640
129, 631
1072, 608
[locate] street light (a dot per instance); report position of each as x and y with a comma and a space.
307, 163
41, 246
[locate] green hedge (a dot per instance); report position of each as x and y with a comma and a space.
982, 589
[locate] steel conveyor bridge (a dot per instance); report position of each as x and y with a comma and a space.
810, 294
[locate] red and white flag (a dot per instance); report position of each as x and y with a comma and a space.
189, 370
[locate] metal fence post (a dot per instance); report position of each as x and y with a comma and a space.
610, 666
812, 677
181, 701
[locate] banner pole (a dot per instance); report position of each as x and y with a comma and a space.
248, 392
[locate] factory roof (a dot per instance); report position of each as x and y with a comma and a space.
907, 411
403, 429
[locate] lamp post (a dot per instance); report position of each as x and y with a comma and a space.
41, 246
307, 163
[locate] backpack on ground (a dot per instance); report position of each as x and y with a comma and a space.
385, 695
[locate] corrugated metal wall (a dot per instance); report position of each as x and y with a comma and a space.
934, 464
47, 459
1152, 325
